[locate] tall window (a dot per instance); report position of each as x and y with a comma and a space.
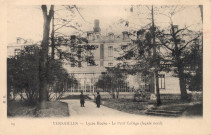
101, 51
110, 51
161, 79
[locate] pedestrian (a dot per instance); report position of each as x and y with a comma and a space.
82, 99
98, 99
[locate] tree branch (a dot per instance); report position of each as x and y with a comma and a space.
51, 12
44, 11
62, 26
188, 43
164, 44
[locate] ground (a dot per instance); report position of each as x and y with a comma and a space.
54, 109
127, 105
110, 107
91, 109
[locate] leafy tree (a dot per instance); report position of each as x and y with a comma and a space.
193, 61
58, 79
144, 51
23, 74
111, 80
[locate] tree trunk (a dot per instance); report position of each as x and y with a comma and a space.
184, 95
157, 89
182, 83
43, 91
179, 65
156, 63
52, 40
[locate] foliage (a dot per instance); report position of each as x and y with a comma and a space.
193, 59
112, 80
141, 95
172, 43
75, 50
23, 74
140, 53
58, 78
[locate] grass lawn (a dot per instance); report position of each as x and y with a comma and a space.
53, 109
195, 110
129, 106
126, 105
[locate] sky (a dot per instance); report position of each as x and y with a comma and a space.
27, 21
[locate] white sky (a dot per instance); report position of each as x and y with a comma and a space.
27, 21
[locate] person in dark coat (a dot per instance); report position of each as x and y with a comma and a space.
82, 99
98, 99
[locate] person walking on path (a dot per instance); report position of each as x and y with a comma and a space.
98, 99
82, 99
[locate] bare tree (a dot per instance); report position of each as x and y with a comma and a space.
176, 40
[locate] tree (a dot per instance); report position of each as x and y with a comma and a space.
156, 62
43, 91
61, 22
76, 55
146, 58
177, 41
58, 79
193, 61
23, 75
111, 80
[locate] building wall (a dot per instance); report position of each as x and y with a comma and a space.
171, 84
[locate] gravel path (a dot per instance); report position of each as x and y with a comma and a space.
91, 109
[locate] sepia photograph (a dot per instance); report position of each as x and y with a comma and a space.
102, 68
70, 60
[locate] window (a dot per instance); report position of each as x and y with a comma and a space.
101, 51
110, 51
17, 51
124, 47
110, 64
79, 64
161, 79
72, 64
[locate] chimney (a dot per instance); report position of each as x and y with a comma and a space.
96, 26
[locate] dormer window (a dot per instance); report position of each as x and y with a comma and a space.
110, 64
90, 36
111, 36
125, 35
